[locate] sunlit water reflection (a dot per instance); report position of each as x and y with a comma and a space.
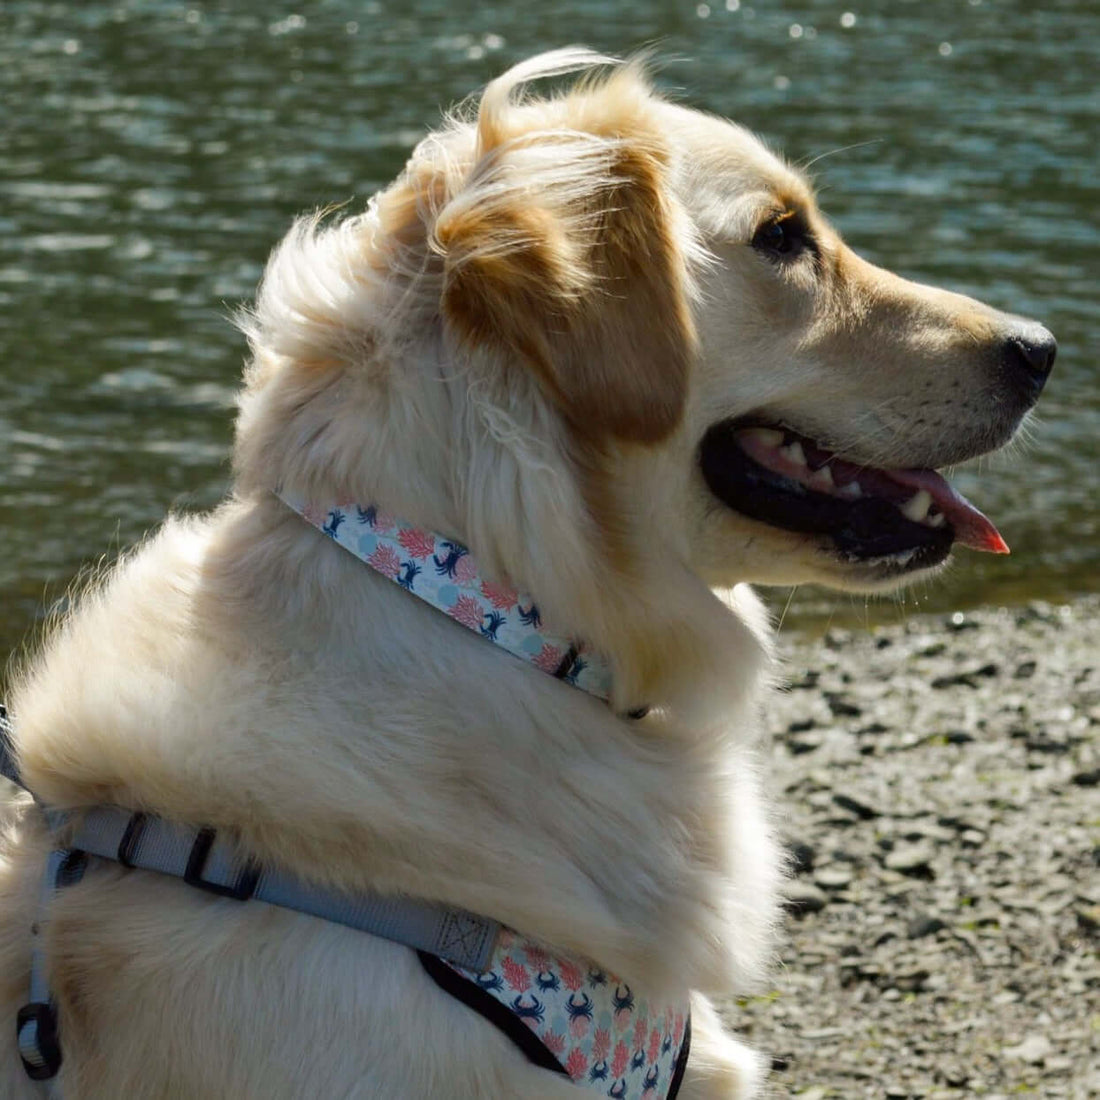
153, 152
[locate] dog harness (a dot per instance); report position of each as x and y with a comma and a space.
566, 1015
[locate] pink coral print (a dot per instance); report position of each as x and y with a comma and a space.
548, 658
467, 611
678, 1029
314, 515
555, 1043
570, 973
417, 543
601, 1044
578, 1026
640, 1029
654, 1045
500, 596
386, 561
465, 570
577, 1066
517, 977
537, 958
618, 1063
383, 521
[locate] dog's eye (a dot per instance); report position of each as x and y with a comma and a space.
782, 236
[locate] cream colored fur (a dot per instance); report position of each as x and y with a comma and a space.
519, 344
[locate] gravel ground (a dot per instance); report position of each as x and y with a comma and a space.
939, 789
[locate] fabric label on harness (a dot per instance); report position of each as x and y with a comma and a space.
604, 1034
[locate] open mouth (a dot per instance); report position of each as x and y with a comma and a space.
782, 478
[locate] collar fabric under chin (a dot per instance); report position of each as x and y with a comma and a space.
443, 573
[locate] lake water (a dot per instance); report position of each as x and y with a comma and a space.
152, 153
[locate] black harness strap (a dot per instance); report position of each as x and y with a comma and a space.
499, 1015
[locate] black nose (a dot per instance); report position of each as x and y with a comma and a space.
1029, 356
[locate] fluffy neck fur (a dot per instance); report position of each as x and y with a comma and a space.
360, 387
242, 672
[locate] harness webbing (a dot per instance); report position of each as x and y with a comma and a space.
210, 861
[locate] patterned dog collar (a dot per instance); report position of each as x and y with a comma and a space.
443, 573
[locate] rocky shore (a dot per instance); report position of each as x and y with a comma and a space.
939, 785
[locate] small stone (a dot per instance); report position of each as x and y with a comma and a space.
801, 897
802, 857
804, 743
1090, 778
958, 737
872, 728
853, 805
841, 708
835, 876
1025, 670
958, 621
910, 859
924, 925
1033, 1050
1088, 918
913, 982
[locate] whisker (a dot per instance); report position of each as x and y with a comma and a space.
842, 149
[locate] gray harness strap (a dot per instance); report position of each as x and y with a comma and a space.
204, 859
211, 862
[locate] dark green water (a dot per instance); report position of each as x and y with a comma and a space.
151, 153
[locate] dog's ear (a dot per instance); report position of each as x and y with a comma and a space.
583, 279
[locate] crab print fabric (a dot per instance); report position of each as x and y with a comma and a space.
606, 1035
442, 572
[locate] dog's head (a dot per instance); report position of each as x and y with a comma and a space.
606, 338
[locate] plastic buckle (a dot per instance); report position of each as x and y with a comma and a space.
43, 1016
241, 890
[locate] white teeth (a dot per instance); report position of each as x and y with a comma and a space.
766, 437
852, 491
822, 479
794, 453
916, 507
937, 520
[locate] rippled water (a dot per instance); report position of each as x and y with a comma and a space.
153, 152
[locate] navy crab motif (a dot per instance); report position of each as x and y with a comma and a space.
638, 1060
495, 621
596, 977
624, 1001
533, 1011
446, 567
618, 1089
490, 981
530, 616
547, 979
649, 1083
581, 1009
409, 572
335, 518
599, 1071
366, 515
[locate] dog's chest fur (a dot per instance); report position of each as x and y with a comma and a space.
342, 727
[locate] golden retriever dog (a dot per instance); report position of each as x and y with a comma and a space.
610, 346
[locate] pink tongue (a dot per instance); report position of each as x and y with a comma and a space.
971, 527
